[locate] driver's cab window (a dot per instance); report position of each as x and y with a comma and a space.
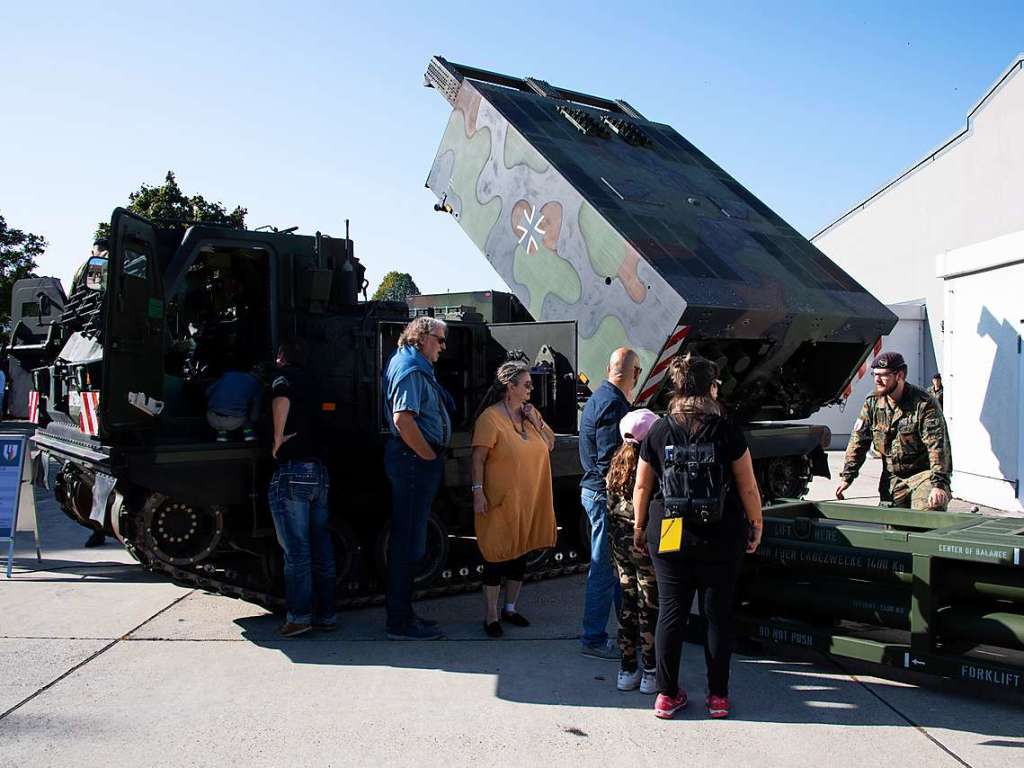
134, 263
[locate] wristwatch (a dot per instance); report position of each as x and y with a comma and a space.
476, 487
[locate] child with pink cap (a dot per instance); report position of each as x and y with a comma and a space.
638, 613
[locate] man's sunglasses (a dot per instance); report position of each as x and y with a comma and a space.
440, 339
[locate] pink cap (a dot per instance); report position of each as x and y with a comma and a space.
635, 424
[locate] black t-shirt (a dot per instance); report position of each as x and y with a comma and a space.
294, 383
712, 542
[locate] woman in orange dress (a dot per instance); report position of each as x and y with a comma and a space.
512, 495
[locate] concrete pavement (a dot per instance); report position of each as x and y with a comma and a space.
101, 664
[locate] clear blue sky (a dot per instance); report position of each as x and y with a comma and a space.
308, 113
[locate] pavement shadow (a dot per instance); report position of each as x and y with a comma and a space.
543, 665
57, 571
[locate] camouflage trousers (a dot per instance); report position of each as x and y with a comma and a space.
638, 614
912, 492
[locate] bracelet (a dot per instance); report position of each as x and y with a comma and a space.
476, 487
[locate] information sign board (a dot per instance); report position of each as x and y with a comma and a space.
12, 463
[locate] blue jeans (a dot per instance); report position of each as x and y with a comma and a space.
298, 504
602, 582
414, 483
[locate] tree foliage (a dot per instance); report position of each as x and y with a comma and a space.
170, 206
396, 286
18, 253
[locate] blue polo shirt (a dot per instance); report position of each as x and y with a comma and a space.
417, 393
599, 434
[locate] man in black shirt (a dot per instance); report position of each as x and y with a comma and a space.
298, 498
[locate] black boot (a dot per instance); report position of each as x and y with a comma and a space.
96, 539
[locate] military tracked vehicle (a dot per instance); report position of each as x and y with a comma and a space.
152, 322
593, 213
608, 230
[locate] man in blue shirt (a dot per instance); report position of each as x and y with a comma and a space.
599, 440
417, 409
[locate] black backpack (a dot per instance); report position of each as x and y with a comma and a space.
694, 480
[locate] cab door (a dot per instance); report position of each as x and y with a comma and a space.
133, 339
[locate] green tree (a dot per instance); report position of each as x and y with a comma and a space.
396, 286
169, 205
18, 253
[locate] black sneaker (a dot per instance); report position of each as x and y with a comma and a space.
425, 622
96, 539
414, 631
291, 629
608, 651
515, 618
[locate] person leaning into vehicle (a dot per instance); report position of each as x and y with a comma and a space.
906, 427
298, 497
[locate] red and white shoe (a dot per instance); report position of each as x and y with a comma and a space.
718, 706
666, 706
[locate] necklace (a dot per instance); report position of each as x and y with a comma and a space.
521, 429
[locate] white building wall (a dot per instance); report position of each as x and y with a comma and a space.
984, 297
968, 190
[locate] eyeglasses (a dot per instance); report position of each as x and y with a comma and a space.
637, 370
440, 339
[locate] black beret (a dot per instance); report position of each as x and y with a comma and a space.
888, 361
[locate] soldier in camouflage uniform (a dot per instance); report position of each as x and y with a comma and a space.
638, 613
905, 425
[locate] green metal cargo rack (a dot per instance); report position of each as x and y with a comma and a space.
935, 592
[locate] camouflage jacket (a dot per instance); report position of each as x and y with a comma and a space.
911, 438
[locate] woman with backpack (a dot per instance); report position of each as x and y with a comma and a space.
697, 510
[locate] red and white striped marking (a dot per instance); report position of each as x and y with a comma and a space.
863, 370
89, 415
657, 374
33, 407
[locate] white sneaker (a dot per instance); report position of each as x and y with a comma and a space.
649, 682
628, 681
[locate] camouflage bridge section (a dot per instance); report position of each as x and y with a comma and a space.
591, 213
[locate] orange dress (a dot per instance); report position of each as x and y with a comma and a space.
517, 484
